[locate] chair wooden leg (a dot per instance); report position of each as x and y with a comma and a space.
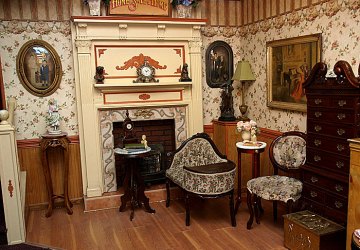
167, 192
256, 208
275, 210
187, 208
232, 210
250, 207
289, 206
260, 207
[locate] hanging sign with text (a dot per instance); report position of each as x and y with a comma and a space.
140, 7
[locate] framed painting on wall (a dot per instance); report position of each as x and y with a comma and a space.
219, 64
289, 62
140, 8
39, 68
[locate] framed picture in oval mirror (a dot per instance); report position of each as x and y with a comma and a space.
39, 68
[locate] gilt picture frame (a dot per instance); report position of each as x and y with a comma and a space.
289, 62
219, 64
39, 68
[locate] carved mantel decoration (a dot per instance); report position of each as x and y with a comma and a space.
116, 44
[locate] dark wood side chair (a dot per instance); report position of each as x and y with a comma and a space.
287, 152
199, 169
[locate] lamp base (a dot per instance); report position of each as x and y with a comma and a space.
243, 118
243, 108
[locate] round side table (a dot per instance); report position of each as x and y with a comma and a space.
134, 183
255, 151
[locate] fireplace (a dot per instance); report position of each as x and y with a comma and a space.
165, 126
160, 135
119, 44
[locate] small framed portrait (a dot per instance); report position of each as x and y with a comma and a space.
39, 68
219, 64
289, 62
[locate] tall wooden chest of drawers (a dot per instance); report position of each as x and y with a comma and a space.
333, 116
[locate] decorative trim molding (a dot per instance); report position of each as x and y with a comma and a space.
209, 129
290, 17
269, 133
35, 143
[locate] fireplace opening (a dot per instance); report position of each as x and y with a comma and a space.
160, 135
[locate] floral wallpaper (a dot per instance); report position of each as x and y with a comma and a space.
31, 110
338, 21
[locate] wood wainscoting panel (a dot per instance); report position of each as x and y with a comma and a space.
30, 161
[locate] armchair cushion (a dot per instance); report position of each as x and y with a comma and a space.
290, 151
275, 187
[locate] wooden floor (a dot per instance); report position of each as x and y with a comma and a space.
109, 229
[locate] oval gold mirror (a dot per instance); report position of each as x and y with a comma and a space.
39, 68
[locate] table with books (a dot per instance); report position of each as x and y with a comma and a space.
134, 184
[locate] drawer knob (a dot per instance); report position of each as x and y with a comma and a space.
318, 114
317, 128
339, 188
318, 101
338, 204
314, 179
340, 147
341, 103
339, 164
317, 158
341, 116
313, 194
317, 142
340, 131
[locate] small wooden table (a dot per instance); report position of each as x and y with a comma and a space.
255, 152
56, 141
134, 183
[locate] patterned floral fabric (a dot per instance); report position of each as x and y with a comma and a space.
290, 151
209, 184
198, 152
275, 187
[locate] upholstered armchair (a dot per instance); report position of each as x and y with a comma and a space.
287, 153
199, 169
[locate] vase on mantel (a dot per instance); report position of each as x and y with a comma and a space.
183, 11
94, 7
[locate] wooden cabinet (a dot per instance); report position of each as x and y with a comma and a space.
225, 138
333, 106
353, 221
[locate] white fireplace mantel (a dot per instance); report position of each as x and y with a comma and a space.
118, 44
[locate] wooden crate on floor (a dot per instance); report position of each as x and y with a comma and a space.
307, 230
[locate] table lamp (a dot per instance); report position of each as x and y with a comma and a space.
242, 74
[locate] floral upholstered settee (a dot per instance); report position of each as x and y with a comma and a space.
199, 168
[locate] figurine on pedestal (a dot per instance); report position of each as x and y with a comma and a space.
185, 74
99, 77
53, 118
144, 141
226, 108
